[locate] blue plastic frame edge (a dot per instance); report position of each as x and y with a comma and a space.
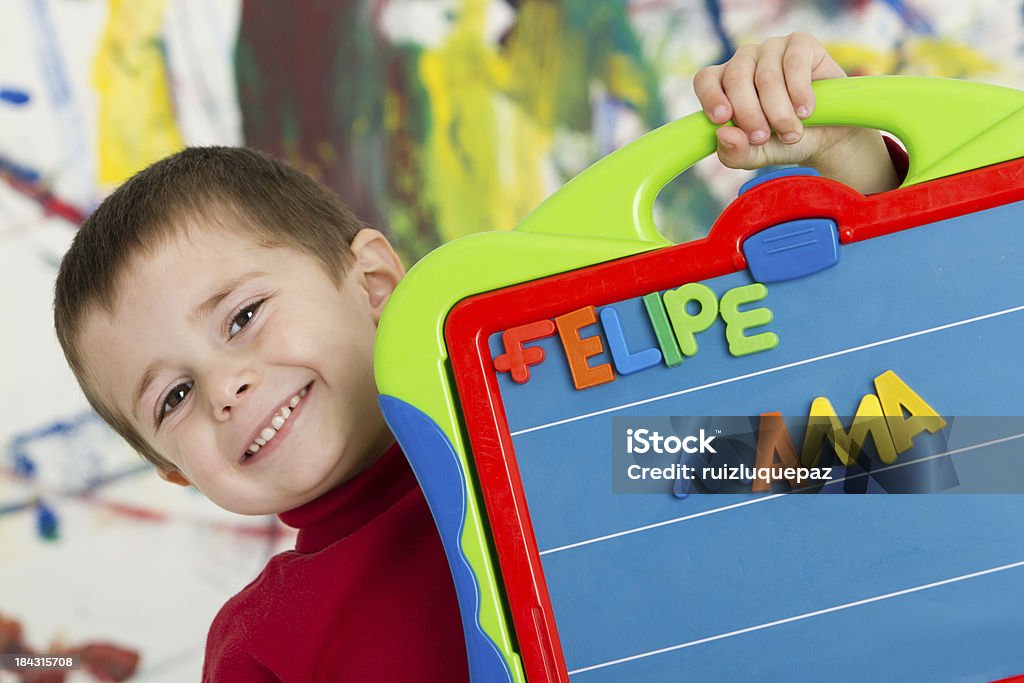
433, 460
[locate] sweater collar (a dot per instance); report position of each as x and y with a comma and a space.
352, 504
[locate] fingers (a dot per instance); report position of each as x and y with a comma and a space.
739, 87
707, 84
806, 60
773, 92
767, 87
798, 63
735, 150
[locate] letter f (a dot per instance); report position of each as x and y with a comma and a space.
517, 359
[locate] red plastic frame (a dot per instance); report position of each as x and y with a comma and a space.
474, 320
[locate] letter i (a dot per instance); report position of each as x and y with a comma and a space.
663, 330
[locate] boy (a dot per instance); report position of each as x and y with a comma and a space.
219, 311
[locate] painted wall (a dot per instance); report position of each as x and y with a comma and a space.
432, 118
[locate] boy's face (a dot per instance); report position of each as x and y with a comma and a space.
246, 367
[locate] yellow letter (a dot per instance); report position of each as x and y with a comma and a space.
823, 423
896, 397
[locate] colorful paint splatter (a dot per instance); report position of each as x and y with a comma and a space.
432, 118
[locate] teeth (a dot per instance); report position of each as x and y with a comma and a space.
276, 422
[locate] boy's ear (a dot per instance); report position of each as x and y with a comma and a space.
173, 476
380, 266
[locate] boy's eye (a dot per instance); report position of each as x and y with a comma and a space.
173, 398
243, 317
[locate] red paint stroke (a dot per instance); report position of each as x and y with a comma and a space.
143, 514
102, 661
50, 203
272, 531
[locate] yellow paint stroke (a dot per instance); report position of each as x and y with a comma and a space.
136, 115
461, 148
947, 58
862, 60
625, 80
491, 127
530, 79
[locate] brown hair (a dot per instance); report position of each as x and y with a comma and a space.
233, 187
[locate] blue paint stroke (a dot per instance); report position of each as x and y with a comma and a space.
46, 522
12, 96
18, 171
912, 18
75, 137
57, 83
12, 508
24, 467
714, 8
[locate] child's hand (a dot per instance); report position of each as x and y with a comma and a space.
767, 88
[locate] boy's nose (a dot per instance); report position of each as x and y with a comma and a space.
229, 392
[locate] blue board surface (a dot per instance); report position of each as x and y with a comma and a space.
809, 587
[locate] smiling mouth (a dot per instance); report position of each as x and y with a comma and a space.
277, 422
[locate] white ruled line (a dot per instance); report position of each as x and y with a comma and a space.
787, 620
648, 527
768, 371
724, 508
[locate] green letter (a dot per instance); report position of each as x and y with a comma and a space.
685, 325
737, 321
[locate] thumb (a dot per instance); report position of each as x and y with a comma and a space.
735, 151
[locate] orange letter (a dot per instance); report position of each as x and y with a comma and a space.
578, 350
773, 438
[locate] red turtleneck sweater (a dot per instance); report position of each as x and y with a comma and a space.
365, 596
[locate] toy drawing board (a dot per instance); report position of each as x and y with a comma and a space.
505, 359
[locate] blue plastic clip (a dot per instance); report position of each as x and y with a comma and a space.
791, 250
765, 176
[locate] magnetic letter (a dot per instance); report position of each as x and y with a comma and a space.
517, 359
823, 423
737, 321
663, 330
684, 324
625, 362
773, 439
895, 397
578, 350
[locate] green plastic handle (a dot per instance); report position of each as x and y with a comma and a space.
948, 126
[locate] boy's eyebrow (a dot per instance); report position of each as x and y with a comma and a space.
205, 308
200, 311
